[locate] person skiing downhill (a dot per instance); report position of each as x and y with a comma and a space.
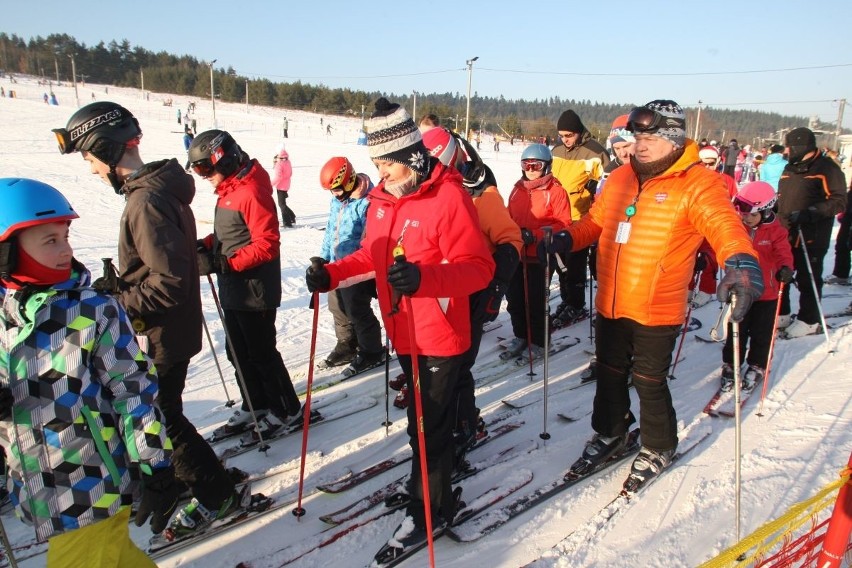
60, 399
157, 282
649, 224
422, 239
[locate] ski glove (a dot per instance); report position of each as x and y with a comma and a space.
317, 277
160, 494
404, 277
108, 283
808, 215
785, 275
560, 244
7, 400
212, 263
744, 279
528, 237
487, 305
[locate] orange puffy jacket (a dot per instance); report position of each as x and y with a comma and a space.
646, 278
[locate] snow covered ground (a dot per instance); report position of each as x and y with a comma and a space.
797, 446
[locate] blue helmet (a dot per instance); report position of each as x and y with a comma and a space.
27, 202
537, 152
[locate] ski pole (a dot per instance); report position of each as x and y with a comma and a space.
10, 552
683, 331
735, 337
548, 235
592, 272
387, 421
240, 377
721, 321
531, 374
230, 402
814, 287
421, 434
771, 350
299, 511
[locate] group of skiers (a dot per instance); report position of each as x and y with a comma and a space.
433, 241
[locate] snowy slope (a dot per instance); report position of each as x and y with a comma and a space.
797, 446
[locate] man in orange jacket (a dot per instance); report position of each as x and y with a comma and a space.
649, 224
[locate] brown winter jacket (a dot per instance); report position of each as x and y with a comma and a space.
646, 278
157, 260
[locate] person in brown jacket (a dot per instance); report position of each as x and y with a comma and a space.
649, 224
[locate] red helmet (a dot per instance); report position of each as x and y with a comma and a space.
441, 144
338, 173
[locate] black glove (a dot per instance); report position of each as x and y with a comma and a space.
200, 246
700, 262
784, 274
808, 215
7, 400
487, 306
528, 237
109, 282
317, 277
212, 263
160, 494
560, 244
744, 279
404, 277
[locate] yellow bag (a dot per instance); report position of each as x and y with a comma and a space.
105, 544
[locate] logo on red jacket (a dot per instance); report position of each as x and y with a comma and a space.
661, 196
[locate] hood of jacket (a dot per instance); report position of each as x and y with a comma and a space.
164, 174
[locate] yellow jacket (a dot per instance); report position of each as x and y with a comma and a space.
574, 168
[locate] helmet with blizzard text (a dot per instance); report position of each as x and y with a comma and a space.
755, 197
104, 129
338, 175
215, 151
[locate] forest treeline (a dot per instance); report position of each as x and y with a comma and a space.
120, 64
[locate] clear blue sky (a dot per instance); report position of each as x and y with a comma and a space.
618, 51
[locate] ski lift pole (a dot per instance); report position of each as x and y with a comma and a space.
548, 236
299, 511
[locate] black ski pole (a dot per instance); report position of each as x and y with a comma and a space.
817, 299
531, 374
240, 377
387, 421
231, 401
548, 235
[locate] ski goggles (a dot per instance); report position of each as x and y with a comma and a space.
745, 206
642, 119
63, 138
532, 165
204, 168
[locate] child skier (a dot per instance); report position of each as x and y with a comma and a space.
76, 394
754, 202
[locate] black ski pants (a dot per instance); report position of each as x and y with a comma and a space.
572, 282
622, 345
287, 215
194, 460
252, 342
808, 303
355, 323
465, 406
438, 377
518, 301
755, 335
841, 247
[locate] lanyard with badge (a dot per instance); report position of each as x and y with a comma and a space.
622, 234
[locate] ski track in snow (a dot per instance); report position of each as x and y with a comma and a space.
797, 446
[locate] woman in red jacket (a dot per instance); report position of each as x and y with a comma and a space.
537, 200
422, 239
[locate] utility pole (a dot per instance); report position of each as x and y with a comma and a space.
212, 94
74, 77
697, 122
840, 108
469, 80
142, 82
246, 96
414, 107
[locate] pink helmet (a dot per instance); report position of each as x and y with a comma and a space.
754, 197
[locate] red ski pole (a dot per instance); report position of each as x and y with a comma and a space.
684, 330
771, 350
421, 435
299, 511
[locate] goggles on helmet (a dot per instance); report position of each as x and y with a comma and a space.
63, 137
642, 119
531, 165
745, 206
203, 167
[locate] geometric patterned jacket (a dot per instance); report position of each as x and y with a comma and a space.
84, 420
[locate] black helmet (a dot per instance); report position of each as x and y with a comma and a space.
215, 150
102, 128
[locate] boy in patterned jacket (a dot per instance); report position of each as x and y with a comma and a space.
77, 394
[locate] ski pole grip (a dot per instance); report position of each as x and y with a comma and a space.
107, 266
548, 234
